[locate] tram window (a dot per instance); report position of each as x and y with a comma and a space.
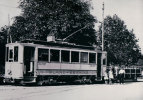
7, 50
65, 55
104, 61
137, 70
43, 54
84, 57
127, 70
132, 70
104, 55
54, 55
16, 53
74, 56
10, 55
92, 57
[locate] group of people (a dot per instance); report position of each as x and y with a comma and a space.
112, 75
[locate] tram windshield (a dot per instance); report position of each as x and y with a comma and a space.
12, 54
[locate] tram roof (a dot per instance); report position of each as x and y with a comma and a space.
60, 44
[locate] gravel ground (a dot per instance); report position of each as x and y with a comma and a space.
128, 91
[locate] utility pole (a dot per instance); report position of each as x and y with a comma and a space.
103, 27
8, 32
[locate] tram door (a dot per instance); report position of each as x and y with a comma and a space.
29, 61
99, 65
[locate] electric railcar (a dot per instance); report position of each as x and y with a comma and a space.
31, 61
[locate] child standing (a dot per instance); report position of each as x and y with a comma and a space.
106, 77
111, 77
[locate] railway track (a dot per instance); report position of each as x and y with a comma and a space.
10, 92
128, 91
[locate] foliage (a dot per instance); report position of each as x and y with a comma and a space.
140, 62
3, 35
57, 17
119, 42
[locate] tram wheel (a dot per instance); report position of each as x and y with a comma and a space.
22, 83
40, 83
4, 81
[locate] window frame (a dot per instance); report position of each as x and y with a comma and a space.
87, 60
95, 61
104, 60
11, 57
44, 49
78, 56
15, 54
59, 55
63, 56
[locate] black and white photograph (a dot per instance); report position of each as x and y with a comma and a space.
71, 49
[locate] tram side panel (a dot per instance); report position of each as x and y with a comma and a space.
70, 67
64, 68
132, 73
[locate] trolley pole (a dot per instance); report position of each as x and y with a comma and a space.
103, 27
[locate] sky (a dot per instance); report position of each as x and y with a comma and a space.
131, 11
8, 7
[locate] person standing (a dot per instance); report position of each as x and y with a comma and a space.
121, 75
111, 77
114, 73
106, 77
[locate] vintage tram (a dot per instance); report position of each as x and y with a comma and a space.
32, 61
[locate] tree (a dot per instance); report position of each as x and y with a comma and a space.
119, 42
59, 17
3, 36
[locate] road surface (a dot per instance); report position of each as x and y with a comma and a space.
128, 91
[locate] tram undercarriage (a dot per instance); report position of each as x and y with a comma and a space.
64, 79
43, 80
